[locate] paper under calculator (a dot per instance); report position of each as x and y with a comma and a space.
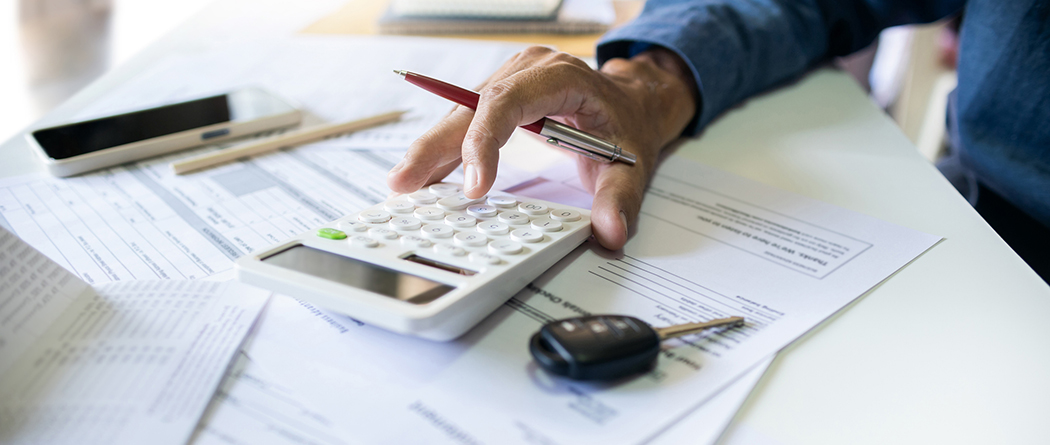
431, 263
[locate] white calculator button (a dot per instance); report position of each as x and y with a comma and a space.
382, 233
484, 258
415, 241
461, 220
448, 249
437, 231
493, 228
471, 239
353, 226
533, 208
482, 210
405, 223
505, 247
443, 189
363, 241
374, 216
527, 235
422, 198
515, 218
546, 225
503, 202
429, 213
565, 215
458, 201
399, 207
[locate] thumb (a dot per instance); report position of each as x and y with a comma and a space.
618, 192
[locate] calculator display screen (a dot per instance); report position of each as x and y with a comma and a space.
359, 274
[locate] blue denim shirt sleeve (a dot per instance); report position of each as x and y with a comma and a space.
738, 48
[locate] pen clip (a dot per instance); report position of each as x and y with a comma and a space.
580, 151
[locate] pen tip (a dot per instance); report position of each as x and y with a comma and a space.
401, 73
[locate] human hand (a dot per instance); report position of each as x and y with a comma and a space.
641, 104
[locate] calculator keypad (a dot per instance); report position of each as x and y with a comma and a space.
442, 221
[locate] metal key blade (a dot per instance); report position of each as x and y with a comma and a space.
692, 328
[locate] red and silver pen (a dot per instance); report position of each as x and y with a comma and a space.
558, 134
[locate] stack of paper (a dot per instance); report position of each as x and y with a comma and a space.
133, 362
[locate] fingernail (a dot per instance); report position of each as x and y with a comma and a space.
398, 167
623, 218
470, 177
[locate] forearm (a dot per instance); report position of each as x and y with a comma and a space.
736, 49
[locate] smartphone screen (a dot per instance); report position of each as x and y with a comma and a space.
80, 138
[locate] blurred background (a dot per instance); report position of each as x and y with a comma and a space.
52, 48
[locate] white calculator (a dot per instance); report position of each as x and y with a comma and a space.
431, 263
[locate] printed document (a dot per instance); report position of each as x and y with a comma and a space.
708, 244
252, 407
140, 221
124, 363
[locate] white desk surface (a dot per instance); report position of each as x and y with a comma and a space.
955, 348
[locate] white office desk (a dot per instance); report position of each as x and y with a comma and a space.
953, 349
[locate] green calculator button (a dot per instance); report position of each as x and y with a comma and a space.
326, 232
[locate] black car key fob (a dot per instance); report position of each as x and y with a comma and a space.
598, 347
605, 347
